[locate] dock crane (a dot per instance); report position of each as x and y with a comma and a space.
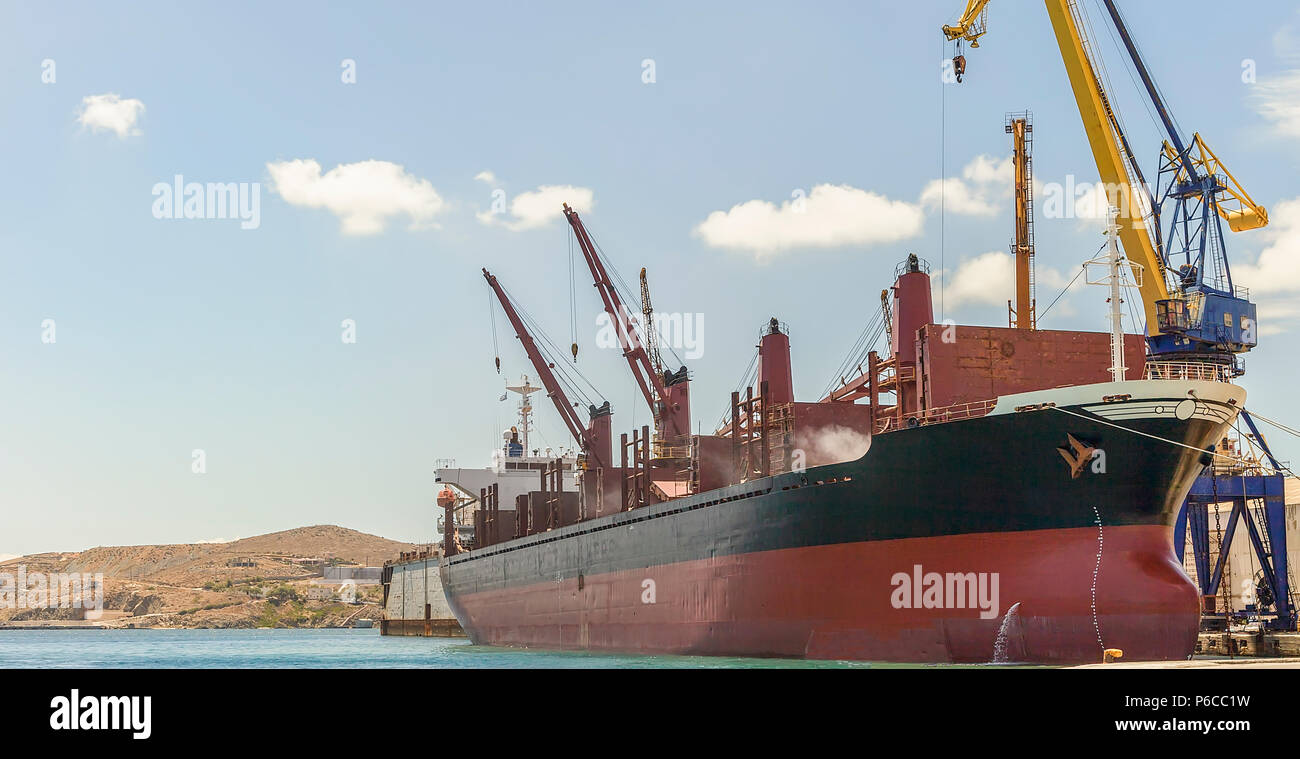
1194, 311
667, 394
648, 320
594, 437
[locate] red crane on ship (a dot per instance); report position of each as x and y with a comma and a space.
593, 437
667, 395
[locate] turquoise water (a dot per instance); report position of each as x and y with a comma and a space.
298, 649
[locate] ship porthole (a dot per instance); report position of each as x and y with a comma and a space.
1185, 409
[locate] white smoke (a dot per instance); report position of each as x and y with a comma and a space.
834, 444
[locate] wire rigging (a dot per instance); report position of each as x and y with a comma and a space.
943, 181
573, 301
746, 380
492, 318
550, 351
858, 353
627, 293
1064, 290
568, 375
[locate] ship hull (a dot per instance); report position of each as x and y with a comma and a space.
885, 557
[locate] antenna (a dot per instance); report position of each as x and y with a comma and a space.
1111, 266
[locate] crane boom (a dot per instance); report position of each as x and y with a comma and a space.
552, 385
1106, 144
972, 25
1109, 147
648, 380
1244, 214
648, 317
1206, 317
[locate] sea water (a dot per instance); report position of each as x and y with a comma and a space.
320, 648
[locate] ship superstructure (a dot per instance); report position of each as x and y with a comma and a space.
414, 602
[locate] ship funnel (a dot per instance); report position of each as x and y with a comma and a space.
676, 419
913, 307
774, 363
599, 443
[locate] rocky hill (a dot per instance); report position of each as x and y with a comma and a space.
258, 581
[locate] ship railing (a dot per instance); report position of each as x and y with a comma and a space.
661, 450
953, 413
425, 551
1188, 370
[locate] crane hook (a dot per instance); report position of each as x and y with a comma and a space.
575, 353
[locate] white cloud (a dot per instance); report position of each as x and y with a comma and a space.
981, 190
109, 112
537, 208
831, 216
363, 195
956, 196
486, 176
1275, 315
990, 279
1092, 206
1284, 39
1277, 99
984, 169
1277, 268
1274, 276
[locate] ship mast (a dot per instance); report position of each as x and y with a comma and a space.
1111, 264
525, 390
593, 436
552, 385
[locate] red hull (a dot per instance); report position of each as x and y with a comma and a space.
834, 602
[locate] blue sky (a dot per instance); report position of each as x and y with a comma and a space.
181, 334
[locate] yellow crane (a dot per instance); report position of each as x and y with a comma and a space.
1196, 172
648, 325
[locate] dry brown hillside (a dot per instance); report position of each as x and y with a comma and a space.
322, 541
214, 584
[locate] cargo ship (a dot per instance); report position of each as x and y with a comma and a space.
1012, 502
974, 494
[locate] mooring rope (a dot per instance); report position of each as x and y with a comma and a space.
1143, 434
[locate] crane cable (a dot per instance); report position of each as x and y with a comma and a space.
943, 182
1277, 424
627, 293
1059, 295
492, 318
858, 353
746, 380
550, 350
573, 301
